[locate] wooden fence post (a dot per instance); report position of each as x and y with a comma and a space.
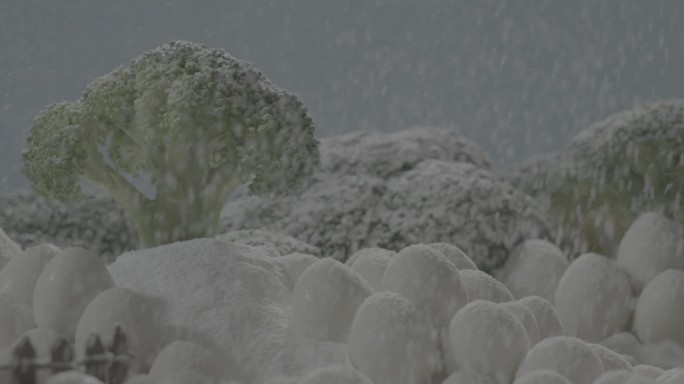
61, 356
96, 359
22, 359
118, 369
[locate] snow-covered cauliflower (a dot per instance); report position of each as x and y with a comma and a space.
437, 201
390, 154
625, 165
94, 222
283, 244
194, 122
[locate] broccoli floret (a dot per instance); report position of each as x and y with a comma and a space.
611, 173
194, 122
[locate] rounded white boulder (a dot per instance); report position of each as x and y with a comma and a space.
325, 299
572, 358
542, 376
612, 361
468, 377
15, 319
18, 278
486, 337
547, 319
180, 356
295, 264
594, 298
64, 288
651, 245
659, 313
127, 309
372, 265
391, 342
335, 374
8, 249
534, 268
72, 377
455, 255
526, 318
425, 276
482, 286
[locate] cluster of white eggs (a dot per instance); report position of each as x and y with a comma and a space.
47, 293
427, 315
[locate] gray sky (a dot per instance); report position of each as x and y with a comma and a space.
518, 77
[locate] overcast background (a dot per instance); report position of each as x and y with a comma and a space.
519, 77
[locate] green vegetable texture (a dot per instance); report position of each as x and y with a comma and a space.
193, 121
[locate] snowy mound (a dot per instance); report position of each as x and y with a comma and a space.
184, 355
15, 319
526, 318
371, 264
335, 374
612, 361
594, 298
284, 244
375, 154
534, 268
652, 244
468, 377
229, 298
547, 319
455, 255
18, 278
585, 193
542, 376
481, 286
93, 222
295, 264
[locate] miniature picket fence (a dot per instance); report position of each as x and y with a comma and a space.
110, 363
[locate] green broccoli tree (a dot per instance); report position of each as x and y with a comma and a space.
195, 122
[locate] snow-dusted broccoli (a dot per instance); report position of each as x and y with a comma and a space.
94, 221
437, 201
628, 164
194, 122
390, 154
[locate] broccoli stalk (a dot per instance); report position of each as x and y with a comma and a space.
194, 121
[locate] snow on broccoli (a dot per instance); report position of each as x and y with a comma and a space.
194, 122
611, 173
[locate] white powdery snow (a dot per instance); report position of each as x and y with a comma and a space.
672, 376
481, 286
284, 244
659, 313
486, 337
229, 298
427, 278
547, 319
594, 298
325, 299
570, 357
391, 342
18, 278
651, 245
72, 278
648, 371
622, 377
534, 268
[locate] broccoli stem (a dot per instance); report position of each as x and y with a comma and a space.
163, 222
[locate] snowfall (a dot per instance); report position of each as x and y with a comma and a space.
424, 268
